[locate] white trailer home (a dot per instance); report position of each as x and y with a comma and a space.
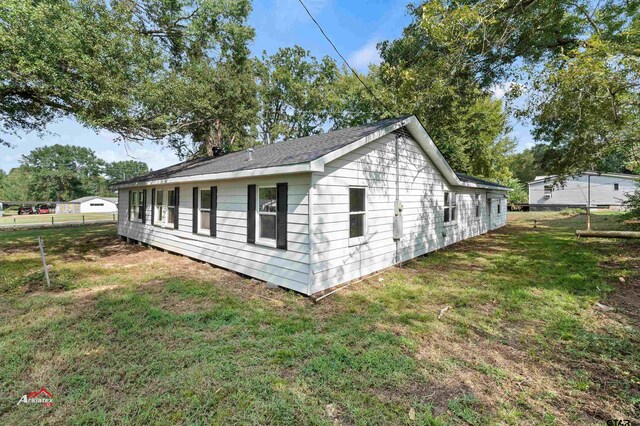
608, 190
311, 213
90, 204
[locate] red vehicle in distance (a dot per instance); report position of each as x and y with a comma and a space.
43, 209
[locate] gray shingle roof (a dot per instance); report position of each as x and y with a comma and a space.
286, 153
473, 179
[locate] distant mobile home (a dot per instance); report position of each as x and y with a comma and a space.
91, 204
608, 190
311, 213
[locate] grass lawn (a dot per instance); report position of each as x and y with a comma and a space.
133, 335
57, 218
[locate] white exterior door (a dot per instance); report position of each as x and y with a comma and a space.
492, 213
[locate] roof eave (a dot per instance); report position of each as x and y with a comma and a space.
263, 171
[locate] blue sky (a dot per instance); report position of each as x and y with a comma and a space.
355, 28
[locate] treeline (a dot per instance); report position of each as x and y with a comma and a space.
181, 74
64, 173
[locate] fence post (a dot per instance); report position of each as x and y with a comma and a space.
51, 220
44, 262
83, 219
114, 217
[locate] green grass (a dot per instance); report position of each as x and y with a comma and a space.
132, 335
57, 218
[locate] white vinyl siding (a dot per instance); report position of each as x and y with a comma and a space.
230, 249
422, 188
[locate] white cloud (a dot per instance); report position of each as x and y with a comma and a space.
367, 54
499, 90
529, 145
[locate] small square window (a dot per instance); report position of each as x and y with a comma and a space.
616, 186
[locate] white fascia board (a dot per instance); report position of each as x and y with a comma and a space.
265, 171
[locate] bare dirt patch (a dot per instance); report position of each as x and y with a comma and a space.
495, 373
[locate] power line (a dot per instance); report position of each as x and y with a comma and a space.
345, 61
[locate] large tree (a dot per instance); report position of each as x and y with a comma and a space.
577, 63
15, 185
63, 172
166, 70
420, 75
293, 94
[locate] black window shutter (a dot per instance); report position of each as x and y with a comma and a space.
176, 210
195, 209
144, 206
251, 214
153, 204
213, 221
130, 202
281, 228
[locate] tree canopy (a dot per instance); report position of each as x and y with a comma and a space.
293, 94
123, 170
180, 73
63, 173
145, 69
575, 62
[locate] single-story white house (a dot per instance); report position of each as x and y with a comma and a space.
608, 190
90, 204
311, 213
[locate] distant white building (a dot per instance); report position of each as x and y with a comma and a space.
89, 204
608, 190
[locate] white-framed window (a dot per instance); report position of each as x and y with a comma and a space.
136, 206
357, 214
477, 205
96, 204
164, 212
171, 206
204, 216
548, 189
267, 210
450, 207
159, 212
616, 186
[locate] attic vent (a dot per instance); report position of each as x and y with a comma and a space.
249, 154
